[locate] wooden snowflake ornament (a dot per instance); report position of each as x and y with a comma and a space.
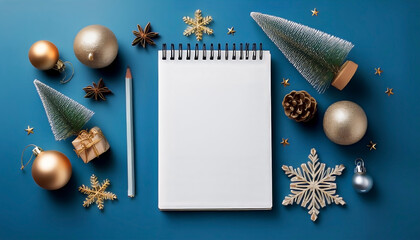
197, 25
313, 187
96, 193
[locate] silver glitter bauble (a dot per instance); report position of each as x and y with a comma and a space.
362, 182
345, 123
95, 46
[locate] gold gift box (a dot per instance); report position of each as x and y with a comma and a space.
89, 145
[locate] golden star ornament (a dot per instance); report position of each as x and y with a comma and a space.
197, 25
378, 71
389, 91
231, 31
371, 145
285, 82
314, 12
285, 141
29, 130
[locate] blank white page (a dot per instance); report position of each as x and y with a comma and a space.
215, 133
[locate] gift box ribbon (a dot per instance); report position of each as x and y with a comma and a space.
86, 141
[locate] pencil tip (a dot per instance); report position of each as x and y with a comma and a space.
128, 73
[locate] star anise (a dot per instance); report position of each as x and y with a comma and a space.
145, 36
97, 90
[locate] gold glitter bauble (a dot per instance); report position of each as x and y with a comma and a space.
51, 170
345, 123
43, 55
95, 46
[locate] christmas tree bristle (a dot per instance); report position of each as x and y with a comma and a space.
318, 56
66, 116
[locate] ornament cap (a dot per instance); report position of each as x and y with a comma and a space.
345, 74
360, 166
37, 150
59, 66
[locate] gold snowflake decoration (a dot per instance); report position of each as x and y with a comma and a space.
96, 193
313, 186
198, 25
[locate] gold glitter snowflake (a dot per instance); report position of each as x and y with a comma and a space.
198, 25
313, 186
96, 193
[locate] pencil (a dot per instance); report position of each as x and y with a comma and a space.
130, 135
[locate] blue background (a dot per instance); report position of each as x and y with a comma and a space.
385, 34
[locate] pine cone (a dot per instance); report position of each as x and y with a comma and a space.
299, 106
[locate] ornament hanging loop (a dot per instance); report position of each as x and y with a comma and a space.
360, 166
37, 150
61, 66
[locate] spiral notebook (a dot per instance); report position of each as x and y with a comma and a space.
214, 128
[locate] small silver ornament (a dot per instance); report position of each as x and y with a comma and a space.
345, 123
362, 182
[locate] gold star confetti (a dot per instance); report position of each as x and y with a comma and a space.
285, 141
231, 31
285, 82
371, 146
314, 12
29, 130
389, 91
198, 25
96, 193
378, 71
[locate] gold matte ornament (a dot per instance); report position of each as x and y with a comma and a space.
345, 123
51, 170
95, 46
313, 186
44, 55
198, 25
96, 193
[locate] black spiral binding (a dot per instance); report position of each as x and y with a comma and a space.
164, 51
180, 52
188, 52
234, 52
212, 55
196, 52
172, 52
211, 52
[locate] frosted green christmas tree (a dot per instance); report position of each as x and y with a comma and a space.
318, 56
66, 116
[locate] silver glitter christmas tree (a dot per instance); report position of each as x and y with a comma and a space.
318, 56
66, 116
